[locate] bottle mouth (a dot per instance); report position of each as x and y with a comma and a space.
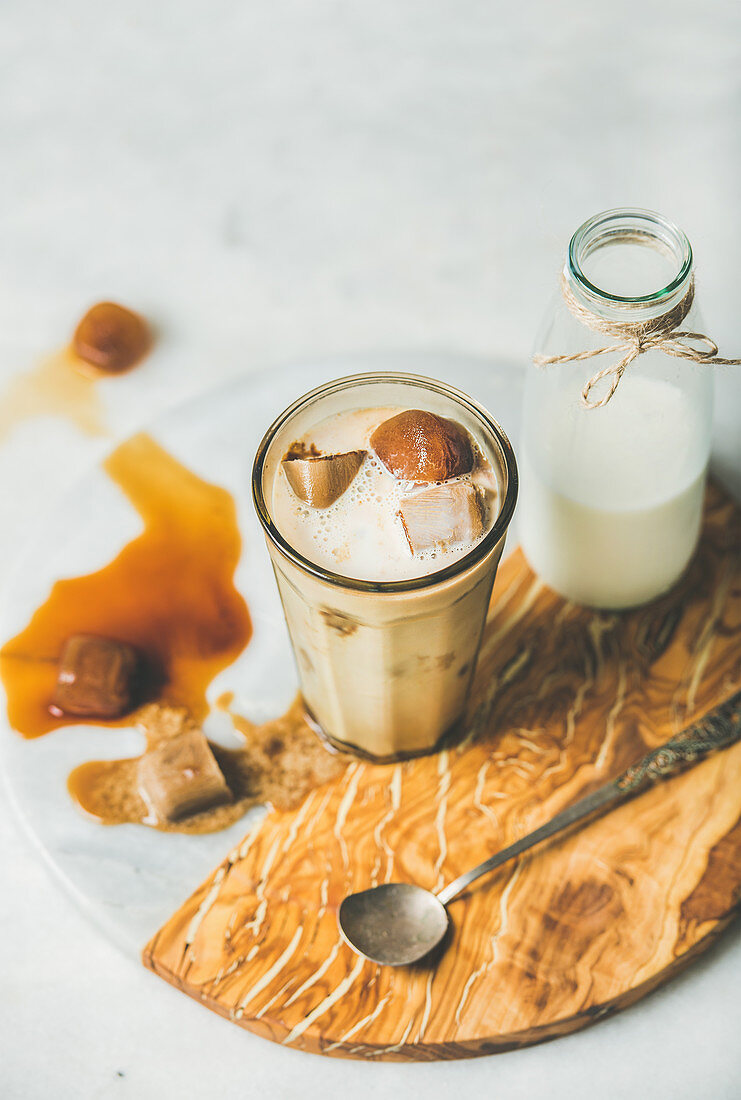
639, 228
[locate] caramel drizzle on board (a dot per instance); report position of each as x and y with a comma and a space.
170, 593
565, 698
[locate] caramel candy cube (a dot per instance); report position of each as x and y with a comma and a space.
180, 777
112, 338
96, 678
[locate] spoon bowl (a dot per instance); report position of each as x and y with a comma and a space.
395, 924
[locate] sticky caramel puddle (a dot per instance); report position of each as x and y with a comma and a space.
280, 763
169, 592
61, 385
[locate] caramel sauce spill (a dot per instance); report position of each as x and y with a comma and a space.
56, 387
280, 762
169, 592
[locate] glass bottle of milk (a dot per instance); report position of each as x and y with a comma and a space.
611, 496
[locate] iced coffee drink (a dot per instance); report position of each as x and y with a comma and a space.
385, 500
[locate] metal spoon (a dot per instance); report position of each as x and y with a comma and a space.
399, 923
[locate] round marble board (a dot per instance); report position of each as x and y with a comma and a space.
127, 878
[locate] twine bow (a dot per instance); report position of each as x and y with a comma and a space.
661, 333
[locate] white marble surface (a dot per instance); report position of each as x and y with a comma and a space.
271, 180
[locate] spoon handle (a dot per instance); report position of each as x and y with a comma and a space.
717, 730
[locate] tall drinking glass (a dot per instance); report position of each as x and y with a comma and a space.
385, 667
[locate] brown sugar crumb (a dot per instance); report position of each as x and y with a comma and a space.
112, 338
302, 450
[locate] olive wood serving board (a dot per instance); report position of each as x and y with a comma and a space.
565, 699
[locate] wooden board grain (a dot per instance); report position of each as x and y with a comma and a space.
565, 699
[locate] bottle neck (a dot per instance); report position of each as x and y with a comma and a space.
629, 266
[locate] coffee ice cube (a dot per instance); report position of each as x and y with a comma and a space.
450, 512
180, 777
320, 480
416, 445
96, 677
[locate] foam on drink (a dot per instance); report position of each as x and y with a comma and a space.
362, 533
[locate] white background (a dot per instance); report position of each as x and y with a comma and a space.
308, 177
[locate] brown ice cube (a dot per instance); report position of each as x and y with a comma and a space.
181, 777
416, 445
96, 677
320, 480
451, 512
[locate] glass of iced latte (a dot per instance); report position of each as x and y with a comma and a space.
385, 500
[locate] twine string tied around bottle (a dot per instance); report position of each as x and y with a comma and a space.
636, 337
